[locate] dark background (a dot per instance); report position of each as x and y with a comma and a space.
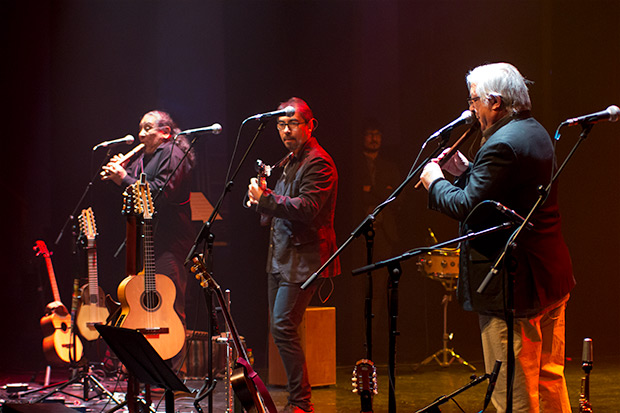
79, 72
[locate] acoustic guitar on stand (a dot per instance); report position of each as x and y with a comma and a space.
91, 308
147, 299
60, 345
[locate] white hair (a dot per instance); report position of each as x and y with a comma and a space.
504, 80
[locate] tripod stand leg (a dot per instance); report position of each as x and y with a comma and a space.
103, 389
441, 356
57, 388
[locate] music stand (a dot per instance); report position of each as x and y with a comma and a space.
142, 361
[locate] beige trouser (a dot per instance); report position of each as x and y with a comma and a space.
539, 341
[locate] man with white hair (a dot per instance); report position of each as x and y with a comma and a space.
515, 158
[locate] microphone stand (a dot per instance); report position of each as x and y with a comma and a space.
71, 216
366, 228
209, 384
434, 406
205, 235
509, 311
364, 225
165, 184
394, 270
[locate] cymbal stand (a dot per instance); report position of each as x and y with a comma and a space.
441, 355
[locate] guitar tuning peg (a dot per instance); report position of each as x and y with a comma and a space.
354, 391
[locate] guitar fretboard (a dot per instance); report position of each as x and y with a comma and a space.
150, 284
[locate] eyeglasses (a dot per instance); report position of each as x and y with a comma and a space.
292, 124
472, 100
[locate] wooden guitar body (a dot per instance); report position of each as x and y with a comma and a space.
151, 312
58, 340
59, 344
91, 307
147, 299
91, 313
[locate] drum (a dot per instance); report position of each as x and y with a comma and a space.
440, 264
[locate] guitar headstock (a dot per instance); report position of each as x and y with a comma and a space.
144, 197
88, 228
137, 199
41, 249
202, 274
364, 379
262, 169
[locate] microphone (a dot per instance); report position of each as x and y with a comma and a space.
492, 381
127, 139
611, 114
510, 213
215, 129
465, 119
586, 354
287, 111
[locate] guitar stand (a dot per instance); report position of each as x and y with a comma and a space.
441, 355
88, 381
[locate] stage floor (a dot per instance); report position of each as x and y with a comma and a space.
414, 390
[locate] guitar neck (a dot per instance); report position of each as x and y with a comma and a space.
50, 271
93, 279
232, 328
150, 284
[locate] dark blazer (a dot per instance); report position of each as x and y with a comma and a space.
509, 168
301, 208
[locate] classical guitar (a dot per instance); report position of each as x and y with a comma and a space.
147, 299
91, 307
365, 382
247, 385
60, 346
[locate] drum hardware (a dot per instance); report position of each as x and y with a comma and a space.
443, 265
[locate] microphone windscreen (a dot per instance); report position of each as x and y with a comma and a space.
586, 355
290, 111
614, 113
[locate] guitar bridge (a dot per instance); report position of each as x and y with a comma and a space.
153, 331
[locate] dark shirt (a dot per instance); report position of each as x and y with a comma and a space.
173, 230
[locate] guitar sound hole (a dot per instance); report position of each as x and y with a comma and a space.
151, 301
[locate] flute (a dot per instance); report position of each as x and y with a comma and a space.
468, 134
125, 157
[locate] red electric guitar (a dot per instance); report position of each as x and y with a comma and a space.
247, 385
59, 344
92, 309
147, 299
